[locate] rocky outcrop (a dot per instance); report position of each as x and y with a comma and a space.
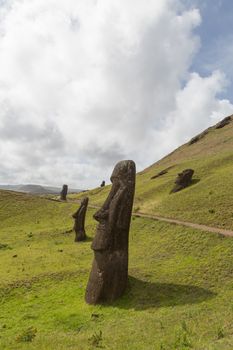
198, 137
223, 123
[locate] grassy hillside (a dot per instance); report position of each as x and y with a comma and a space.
179, 296
207, 201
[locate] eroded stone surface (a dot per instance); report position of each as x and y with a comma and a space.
109, 274
79, 224
64, 192
183, 180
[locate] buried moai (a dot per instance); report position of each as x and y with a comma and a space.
109, 275
64, 192
183, 180
79, 223
102, 184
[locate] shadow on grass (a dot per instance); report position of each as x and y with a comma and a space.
194, 182
88, 239
71, 232
142, 295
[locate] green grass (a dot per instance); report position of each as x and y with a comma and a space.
179, 296
207, 201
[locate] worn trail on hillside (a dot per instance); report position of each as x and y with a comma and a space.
201, 227
188, 224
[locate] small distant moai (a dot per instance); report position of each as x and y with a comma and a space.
183, 180
102, 184
79, 224
109, 275
64, 192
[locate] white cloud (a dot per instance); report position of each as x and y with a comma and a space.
197, 108
85, 84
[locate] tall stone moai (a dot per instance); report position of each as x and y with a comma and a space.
64, 192
79, 223
102, 184
109, 275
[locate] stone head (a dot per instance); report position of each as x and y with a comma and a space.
84, 201
123, 171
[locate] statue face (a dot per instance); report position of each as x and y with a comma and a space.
184, 176
84, 201
122, 178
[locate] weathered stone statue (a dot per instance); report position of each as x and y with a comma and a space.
64, 192
79, 224
183, 180
102, 184
109, 274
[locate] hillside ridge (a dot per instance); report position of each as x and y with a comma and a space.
207, 200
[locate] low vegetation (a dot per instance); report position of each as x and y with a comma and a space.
179, 296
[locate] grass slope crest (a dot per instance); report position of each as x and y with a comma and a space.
209, 198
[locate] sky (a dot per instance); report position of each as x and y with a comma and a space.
85, 84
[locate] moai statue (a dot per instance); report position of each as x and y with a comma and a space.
79, 224
109, 274
64, 193
102, 184
183, 180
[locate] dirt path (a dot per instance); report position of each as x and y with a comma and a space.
176, 222
187, 224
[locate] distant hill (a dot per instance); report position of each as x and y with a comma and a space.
36, 189
208, 200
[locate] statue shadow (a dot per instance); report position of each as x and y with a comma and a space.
89, 239
142, 295
194, 182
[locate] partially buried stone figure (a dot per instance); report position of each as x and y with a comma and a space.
183, 180
79, 224
109, 274
64, 192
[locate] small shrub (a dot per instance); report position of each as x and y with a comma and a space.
4, 246
27, 336
182, 340
184, 327
161, 325
136, 209
220, 333
96, 340
211, 211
